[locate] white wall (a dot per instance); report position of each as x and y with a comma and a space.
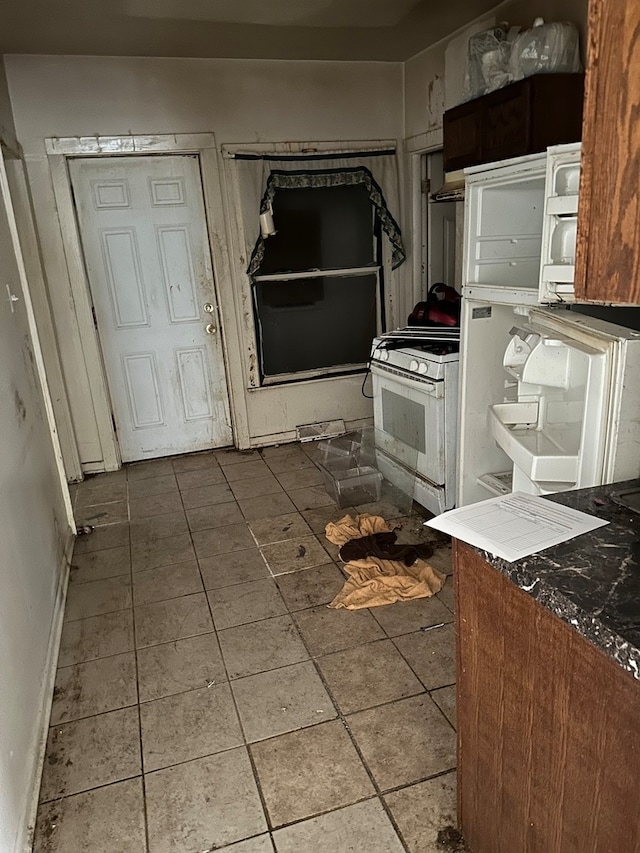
240, 101
34, 534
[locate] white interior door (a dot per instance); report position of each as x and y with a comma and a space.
143, 231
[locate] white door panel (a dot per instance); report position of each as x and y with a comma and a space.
143, 230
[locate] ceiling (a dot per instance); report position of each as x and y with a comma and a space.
386, 30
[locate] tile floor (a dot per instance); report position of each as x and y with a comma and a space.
206, 698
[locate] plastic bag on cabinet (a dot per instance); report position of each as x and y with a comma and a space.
545, 49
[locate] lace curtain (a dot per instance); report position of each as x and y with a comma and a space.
259, 179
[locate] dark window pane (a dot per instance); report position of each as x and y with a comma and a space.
320, 228
314, 323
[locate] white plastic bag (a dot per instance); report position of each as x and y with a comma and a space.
545, 49
487, 61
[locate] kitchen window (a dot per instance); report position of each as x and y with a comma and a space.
318, 284
318, 291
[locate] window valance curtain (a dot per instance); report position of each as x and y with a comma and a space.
260, 178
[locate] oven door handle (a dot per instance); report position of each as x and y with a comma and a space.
434, 388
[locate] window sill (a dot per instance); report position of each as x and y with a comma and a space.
324, 373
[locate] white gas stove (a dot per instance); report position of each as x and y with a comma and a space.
415, 399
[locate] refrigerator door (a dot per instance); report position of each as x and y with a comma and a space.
555, 432
557, 268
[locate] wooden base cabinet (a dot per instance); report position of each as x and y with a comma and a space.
548, 727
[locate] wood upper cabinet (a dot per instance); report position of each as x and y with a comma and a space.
608, 249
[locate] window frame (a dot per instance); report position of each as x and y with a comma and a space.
377, 268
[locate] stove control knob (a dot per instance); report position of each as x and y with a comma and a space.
422, 367
384, 355
413, 365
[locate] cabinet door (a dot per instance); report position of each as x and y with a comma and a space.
608, 251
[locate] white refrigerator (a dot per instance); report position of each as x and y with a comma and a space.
549, 390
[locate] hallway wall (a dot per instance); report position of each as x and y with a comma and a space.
35, 535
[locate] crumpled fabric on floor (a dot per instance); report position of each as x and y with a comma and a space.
383, 546
372, 581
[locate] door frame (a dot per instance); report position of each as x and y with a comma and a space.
59, 152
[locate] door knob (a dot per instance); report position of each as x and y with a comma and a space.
210, 329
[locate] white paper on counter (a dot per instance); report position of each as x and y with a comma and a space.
516, 525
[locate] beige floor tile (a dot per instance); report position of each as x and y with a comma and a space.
195, 461
312, 587
222, 540
175, 619
230, 456
261, 646
384, 508
229, 569
442, 559
368, 675
179, 666
318, 518
209, 475
152, 468
91, 752
445, 699
255, 508
245, 602
286, 458
105, 820
162, 552
166, 582
96, 597
98, 565
428, 741
154, 505
188, 725
293, 555
361, 828
300, 478
217, 493
247, 470
279, 527
410, 530
204, 804
447, 594
332, 549
153, 486
256, 487
259, 844
102, 537
431, 655
96, 637
403, 617
158, 527
100, 515
424, 810
272, 703
218, 515
92, 492
310, 771
94, 687
325, 630
311, 497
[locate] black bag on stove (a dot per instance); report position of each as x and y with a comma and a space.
442, 308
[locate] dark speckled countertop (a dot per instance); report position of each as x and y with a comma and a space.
591, 582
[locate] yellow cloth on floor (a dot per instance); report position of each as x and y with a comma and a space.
374, 582
348, 528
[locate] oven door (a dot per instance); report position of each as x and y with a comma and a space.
409, 416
